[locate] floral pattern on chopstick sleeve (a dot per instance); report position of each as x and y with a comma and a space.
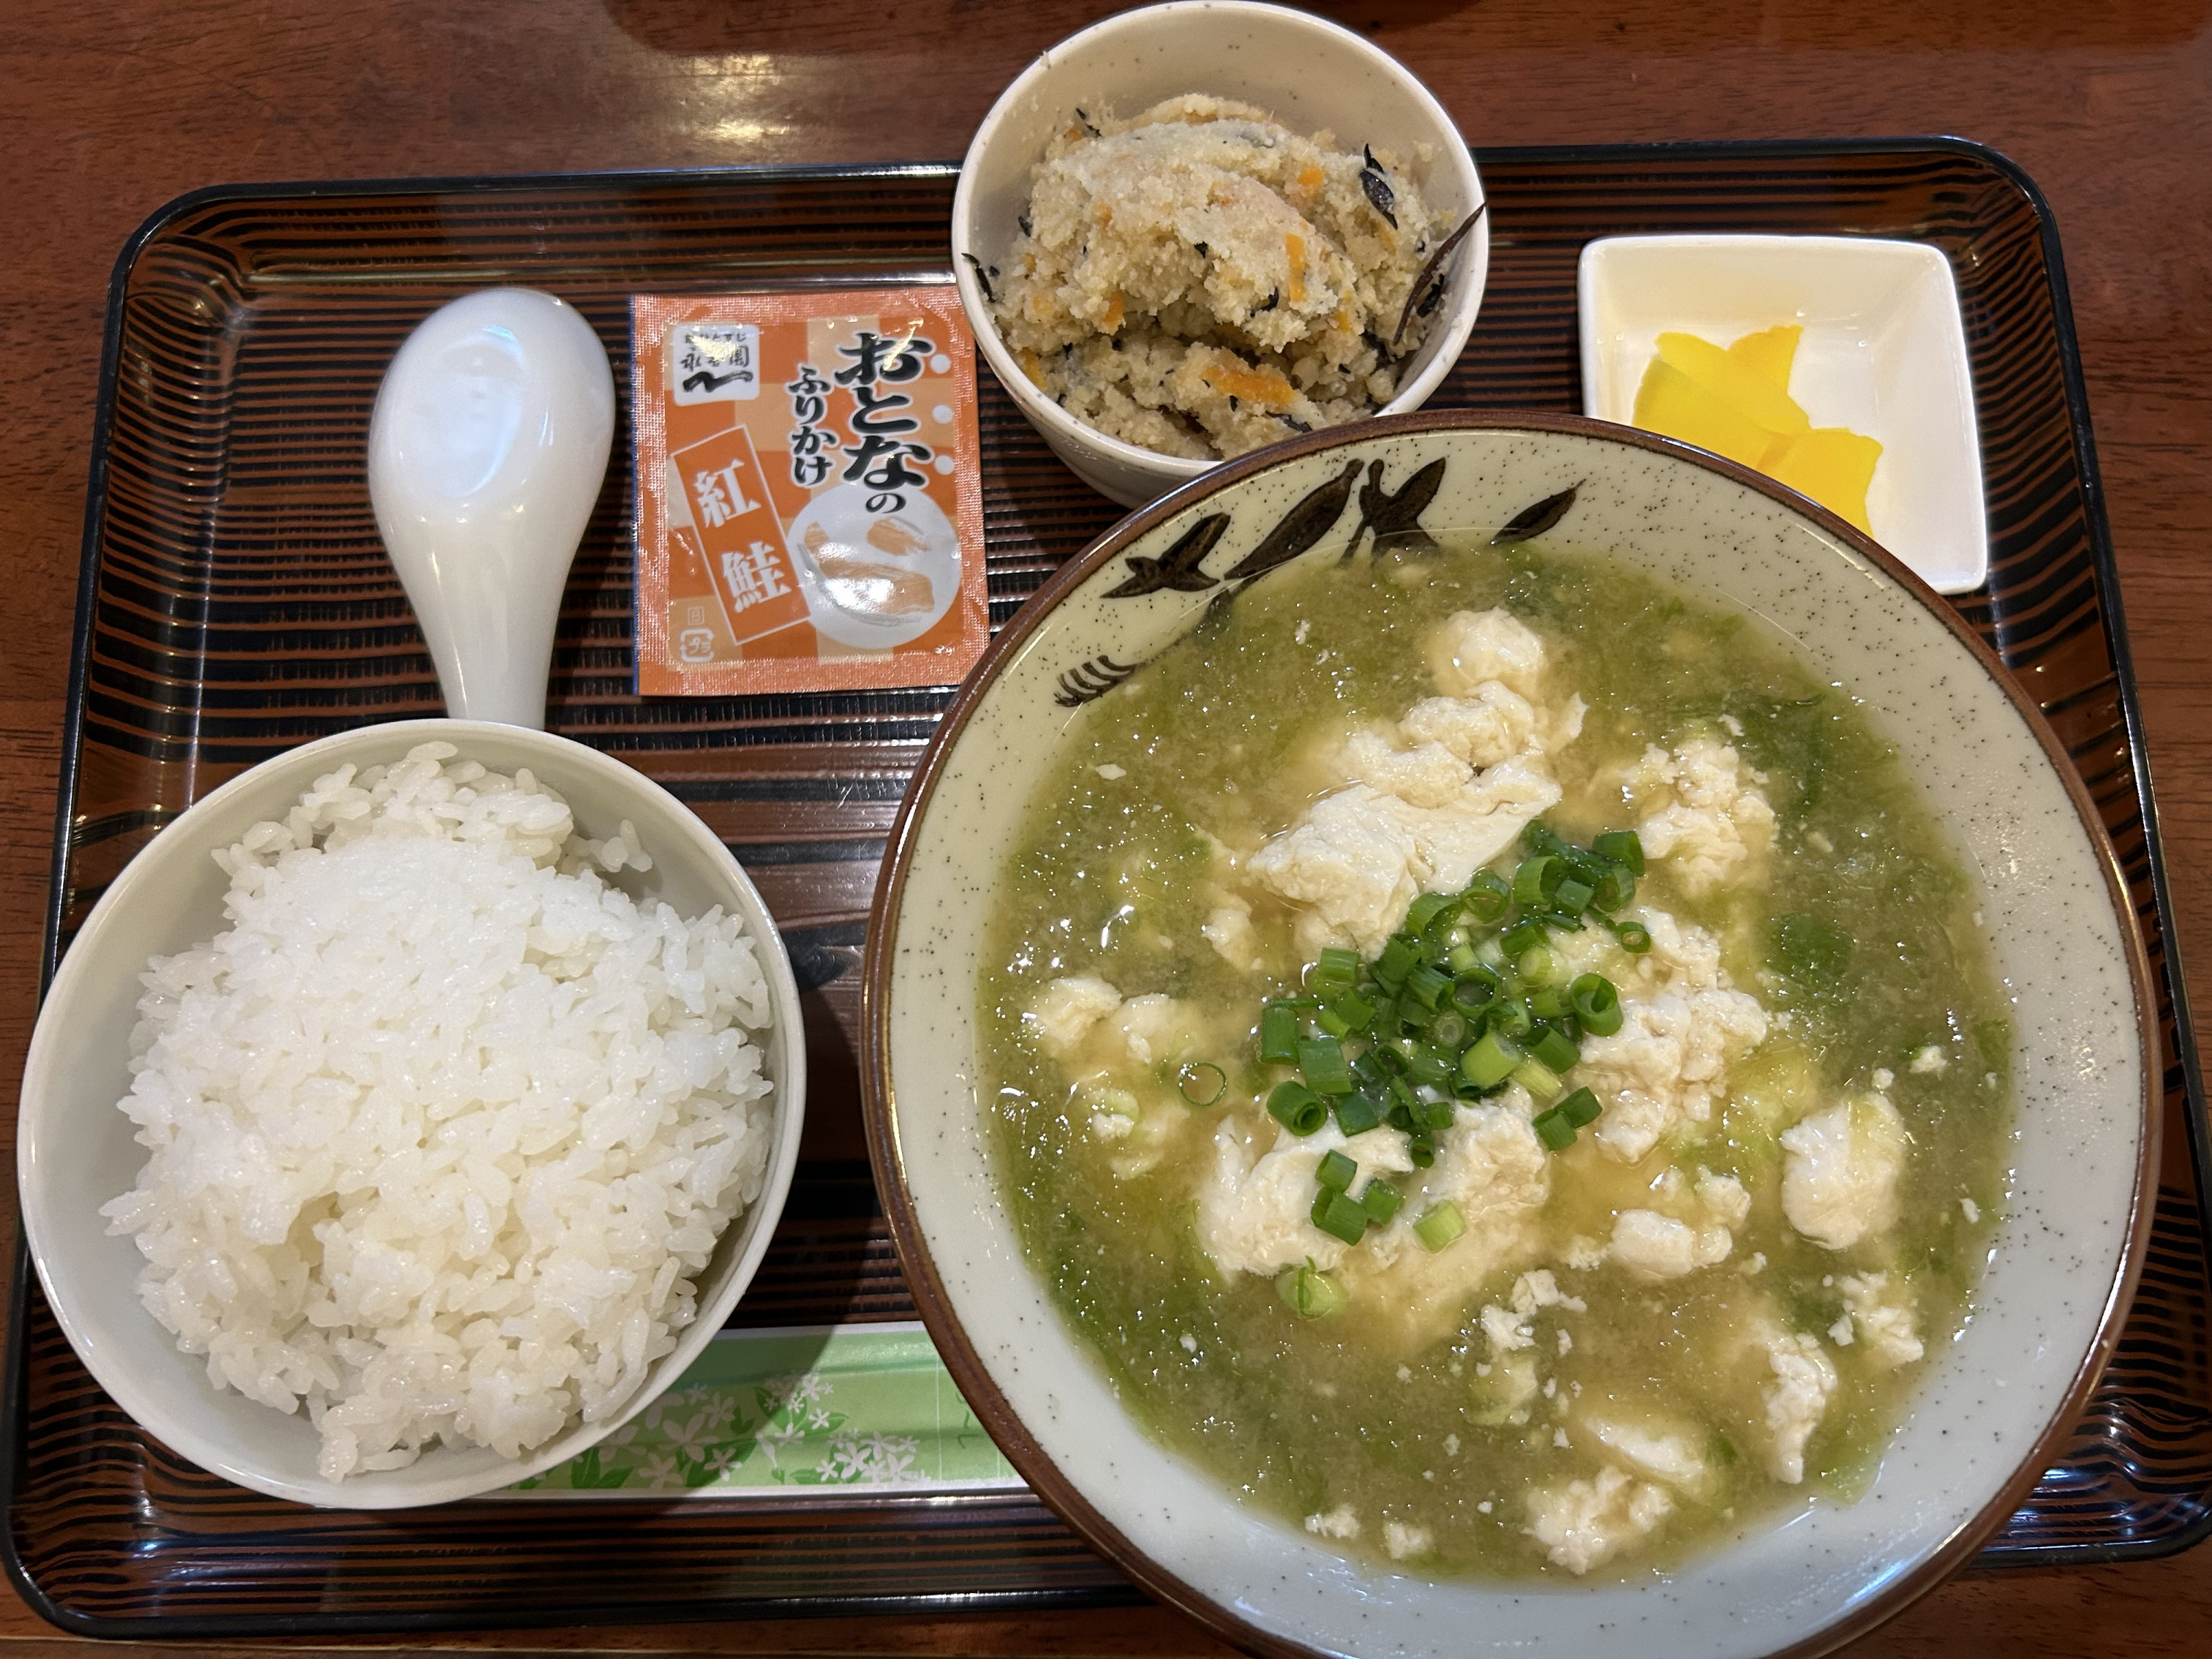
851, 1408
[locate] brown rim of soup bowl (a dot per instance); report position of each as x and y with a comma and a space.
879, 1106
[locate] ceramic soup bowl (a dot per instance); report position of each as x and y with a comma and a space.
1992, 1399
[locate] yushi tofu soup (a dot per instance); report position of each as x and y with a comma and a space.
1497, 1062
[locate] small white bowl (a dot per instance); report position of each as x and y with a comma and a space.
1308, 73
1884, 353
75, 1150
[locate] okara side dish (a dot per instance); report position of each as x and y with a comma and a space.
1200, 280
445, 1127
1497, 1062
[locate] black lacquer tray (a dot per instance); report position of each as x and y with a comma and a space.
234, 601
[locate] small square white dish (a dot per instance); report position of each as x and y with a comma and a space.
1884, 353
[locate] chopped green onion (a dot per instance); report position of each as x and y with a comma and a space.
1538, 1079
1435, 1115
1574, 893
1297, 1108
1475, 1013
1550, 1003
1427, 986
1421, 1150
1597, 1003
1538, 836
1555, 1051
1426, 909
1426, 1065
1349, 1012
1357, 1112
1371, 1068
1202, 1083
1380, 1201
1399, 958
1552, 1128
1278, 1034
1535, 879
1481, 977
1489, 1062
1537, 965
1486, 896
1462, 960
1439, 1225
1337, 970
1335, 1171
1579, 1108
1322, 1060
1510, 1016
1520, 937
1635, 937
1339, 1217
1309, 1291
1614, 889
1623, 847
1582, 862
1448, 1031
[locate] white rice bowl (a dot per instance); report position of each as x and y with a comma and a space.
446, 1125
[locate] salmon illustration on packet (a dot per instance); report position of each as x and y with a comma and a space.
809, 513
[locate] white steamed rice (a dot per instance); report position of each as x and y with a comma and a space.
445, 1127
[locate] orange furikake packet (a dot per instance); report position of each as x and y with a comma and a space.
809, 511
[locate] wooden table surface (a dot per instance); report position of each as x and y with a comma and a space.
108, 110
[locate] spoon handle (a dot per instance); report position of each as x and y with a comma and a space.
486, 452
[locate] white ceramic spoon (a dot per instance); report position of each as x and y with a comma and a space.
485, 455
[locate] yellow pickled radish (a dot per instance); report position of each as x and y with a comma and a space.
1771, 351
1672, 404
1832, 464
1735, 402
1734, 382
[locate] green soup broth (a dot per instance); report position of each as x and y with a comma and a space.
1859, 937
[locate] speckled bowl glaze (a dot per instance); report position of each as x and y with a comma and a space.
74, 1150
1309, 72
1996, 1396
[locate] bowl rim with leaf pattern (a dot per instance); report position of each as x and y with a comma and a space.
1998, 1395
